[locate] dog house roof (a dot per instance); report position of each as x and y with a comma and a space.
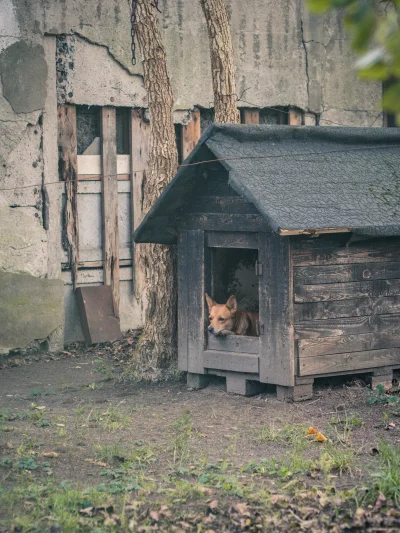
299, 178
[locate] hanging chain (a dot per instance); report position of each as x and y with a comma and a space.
133, 25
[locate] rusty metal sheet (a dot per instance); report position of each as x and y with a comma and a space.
96, 308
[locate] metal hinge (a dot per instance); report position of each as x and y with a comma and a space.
259, 269
259, 329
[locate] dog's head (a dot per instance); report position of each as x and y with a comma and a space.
222, 316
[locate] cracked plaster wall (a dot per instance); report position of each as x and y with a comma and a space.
284, 56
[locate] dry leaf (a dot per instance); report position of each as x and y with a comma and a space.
320, 437
154, 516
10, 445
275, 498
50, 454
213, 505
97, 463
312, 431
242, 509
380, 501
88, 511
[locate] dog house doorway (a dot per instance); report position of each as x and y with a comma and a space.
231, 268
233, 272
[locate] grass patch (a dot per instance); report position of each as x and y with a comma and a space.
387, 477
182, 433
292, 435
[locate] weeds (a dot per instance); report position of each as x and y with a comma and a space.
112, 419
387, 477
335, 459
182, 433
379, 396
288, 435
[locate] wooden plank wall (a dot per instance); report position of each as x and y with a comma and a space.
191, 134
67, 146
139, 134
110, 202
346, 305
277, 343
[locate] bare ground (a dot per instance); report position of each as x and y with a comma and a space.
81, 450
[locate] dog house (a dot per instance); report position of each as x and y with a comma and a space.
301, 225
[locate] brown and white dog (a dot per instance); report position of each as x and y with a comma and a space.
227, 319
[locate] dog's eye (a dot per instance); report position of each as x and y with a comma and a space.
221, 319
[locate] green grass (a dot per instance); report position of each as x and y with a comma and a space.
387, 477
182, 433
292, 435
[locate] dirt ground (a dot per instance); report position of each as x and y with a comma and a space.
81, 450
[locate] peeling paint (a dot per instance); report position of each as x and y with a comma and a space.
23, 72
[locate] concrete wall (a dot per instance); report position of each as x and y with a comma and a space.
55, 51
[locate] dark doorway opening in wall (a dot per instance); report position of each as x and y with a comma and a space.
233, 272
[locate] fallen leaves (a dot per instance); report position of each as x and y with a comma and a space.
50, 454
319, 437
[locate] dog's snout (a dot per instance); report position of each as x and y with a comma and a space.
210, 329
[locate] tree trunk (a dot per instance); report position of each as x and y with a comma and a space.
157, 345
222, 65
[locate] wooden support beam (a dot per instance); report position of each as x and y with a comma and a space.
197, 381
251, 116
191, 134
139, 133
313, 232
110, 202
382, 376
298, 393
238, 384
295, 116
67, 146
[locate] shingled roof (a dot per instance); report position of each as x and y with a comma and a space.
302, 178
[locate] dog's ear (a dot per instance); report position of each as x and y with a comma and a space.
231, 304
210, 302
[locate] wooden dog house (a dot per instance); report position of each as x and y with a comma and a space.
317, 211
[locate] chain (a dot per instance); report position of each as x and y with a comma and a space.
133, 25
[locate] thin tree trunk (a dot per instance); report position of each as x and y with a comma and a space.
157, 345
222, 64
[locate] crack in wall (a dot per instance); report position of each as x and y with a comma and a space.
306, 60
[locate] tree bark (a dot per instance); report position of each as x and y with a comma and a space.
222, 64
157, 345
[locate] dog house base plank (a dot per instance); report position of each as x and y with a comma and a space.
382, 376
298, 393
231, 361
238, 384
197, 381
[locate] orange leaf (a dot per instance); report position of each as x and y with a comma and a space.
320, 437
312, 431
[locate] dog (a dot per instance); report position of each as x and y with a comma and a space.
227, 319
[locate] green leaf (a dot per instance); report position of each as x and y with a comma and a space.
375, 72
391, 98
319, 6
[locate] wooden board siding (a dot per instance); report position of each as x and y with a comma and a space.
346, 306
68, 166
234, 343
183, 304
231, 361
196, 309
277, 361
110, 202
